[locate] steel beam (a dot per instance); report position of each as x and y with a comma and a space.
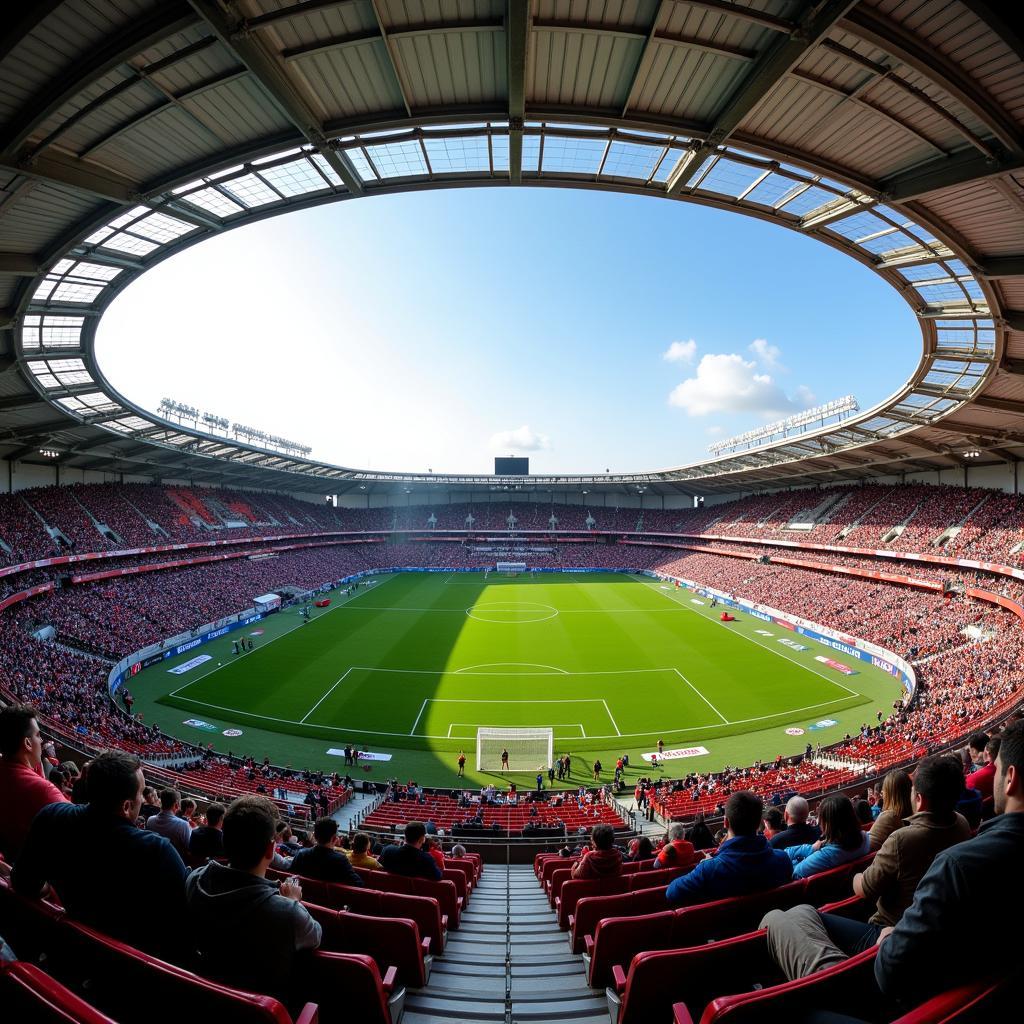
813, 24
138, 34
517, 35
266, 70
960, 168
19, 264
21, 20
1001, 266
999, 404
20, 402
76, 175
641, 63
989, 433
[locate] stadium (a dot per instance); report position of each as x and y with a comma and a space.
284, 740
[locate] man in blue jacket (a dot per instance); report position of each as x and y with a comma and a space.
744, 864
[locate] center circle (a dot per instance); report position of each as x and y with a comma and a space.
512, 612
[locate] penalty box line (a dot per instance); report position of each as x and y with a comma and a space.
553, 725
566, 700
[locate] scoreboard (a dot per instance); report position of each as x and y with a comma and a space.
511, 467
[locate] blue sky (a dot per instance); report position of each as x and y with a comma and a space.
435, 330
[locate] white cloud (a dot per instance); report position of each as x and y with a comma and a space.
727, 383
767, 355
715, 431
523, 439
680, 352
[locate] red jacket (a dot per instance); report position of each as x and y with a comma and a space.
598, 864
983, 780
23, 792
675, 854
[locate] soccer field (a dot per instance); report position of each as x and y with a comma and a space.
414, 663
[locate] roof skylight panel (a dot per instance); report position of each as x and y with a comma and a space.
886, 242
923, 272
277, 156
772, 189
729, 178
668, 165
327, 170
126, 218
161, 228
130, 244
950, 291
213, 201
361, 164
573, 155
859, 225
631, 160
71, 291
807, 200
251, 191
132, 423
499, 152
294, 179
531, 152
452, 156
398, 159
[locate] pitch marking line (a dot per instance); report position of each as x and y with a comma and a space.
343, 603
553, 725
339, 680
610, 718
799, 664
423, 707
469, 669
702, 697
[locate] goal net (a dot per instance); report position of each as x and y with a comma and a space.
529, 750
510, 568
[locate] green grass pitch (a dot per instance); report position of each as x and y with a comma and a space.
414, 663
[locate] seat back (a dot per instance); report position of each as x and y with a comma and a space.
465, 865
348, 986
28, 925
618, 939
444, 891
555, 863
558, 878
576, 888
723, 919
117, 975
658, 877
837, 988
696, 976
591, 909
390, 941
458, 878
836, 883
27, 994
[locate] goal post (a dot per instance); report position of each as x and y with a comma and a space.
510, 568
529, 750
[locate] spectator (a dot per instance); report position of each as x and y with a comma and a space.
976, 749
323, 861
980, 872
411, 859
797, 832
677, 851
207, 841
433, 846
774, 823
168, 824
896, 807
122, 880
361, 856
150, 803
248, 930
982, 780
600, 859
842, 839
745, 863
640, 848
23, 787
699, 835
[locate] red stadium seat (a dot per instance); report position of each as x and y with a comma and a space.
29, 995
592, 909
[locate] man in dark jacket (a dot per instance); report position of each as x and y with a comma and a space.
411, 859
797, 832
744, 863
208, 840
247, 929
323, 861
124, 881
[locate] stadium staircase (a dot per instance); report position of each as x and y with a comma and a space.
508, 961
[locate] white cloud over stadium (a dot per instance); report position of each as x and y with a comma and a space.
728, 383
522, 439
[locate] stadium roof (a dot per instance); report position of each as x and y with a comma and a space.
891, 130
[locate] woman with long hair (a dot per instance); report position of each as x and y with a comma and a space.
896, 807
842, 839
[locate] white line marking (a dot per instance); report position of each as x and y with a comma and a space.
520, 664
553, 725
423, 707
799, 664
702, 697
477, 700
340, 679
610, 718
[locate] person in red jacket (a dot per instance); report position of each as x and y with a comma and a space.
24, 790
677, 852
601, 860
983, 779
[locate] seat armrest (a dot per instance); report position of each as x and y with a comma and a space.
310, 1014
588, 945
680, 1014
425, 946
444, 922
618, 979
389, 979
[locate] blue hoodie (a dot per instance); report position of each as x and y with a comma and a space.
743, 865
